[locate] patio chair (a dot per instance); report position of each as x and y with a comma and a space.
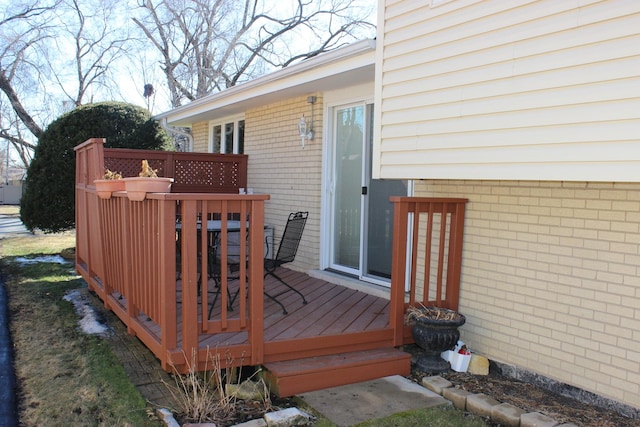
215, 272
286, 253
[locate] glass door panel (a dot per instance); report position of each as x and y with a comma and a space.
349, 134
379, 236
362, 215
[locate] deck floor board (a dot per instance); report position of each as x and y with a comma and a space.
331, 310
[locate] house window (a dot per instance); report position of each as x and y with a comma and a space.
227, 136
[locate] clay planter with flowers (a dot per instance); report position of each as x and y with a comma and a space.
110, 182
146, 182
435, 330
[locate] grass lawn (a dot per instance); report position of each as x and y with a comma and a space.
433, 417
65, 377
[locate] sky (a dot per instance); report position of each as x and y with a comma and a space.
132, 74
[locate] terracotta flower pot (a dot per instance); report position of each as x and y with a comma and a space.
138, 187
104, 187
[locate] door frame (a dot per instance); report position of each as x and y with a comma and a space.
331, 141
360, 95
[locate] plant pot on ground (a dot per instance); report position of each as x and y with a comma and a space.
147, 182
435, 330
110, 182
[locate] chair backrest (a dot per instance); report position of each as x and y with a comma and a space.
291, 238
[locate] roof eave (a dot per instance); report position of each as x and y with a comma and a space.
332, 69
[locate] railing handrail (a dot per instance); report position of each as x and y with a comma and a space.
448, 214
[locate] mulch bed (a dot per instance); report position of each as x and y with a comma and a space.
532, 398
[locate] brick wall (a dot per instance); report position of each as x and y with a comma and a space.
279, 166
550, 279
200, 133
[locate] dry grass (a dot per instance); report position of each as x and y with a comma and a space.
206, 396
65, 377
9, 209
434, 313
25, 245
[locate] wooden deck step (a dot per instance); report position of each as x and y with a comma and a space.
316, 373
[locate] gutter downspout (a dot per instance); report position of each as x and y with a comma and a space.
171, 129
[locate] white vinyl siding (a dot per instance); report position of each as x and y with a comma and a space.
531, 90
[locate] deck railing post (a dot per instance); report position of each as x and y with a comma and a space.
189, 260
256, 282
398, 271
167, 243
127, 267
89, 163
455, 254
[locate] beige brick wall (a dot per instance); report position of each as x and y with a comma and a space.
280, 167
200, 133
550, 278
291, 175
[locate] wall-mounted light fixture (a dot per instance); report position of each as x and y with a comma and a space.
305, 128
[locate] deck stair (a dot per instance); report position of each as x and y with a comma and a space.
292, 377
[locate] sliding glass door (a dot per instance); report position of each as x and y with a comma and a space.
361, 214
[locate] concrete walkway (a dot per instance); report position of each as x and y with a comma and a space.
11, 226
355, 403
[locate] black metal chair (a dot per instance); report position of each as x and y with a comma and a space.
286, 253
215, 272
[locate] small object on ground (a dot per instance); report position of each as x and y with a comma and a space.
479, 365
287, 417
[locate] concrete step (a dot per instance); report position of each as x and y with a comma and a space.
316, 373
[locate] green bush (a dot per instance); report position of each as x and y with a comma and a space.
48, 202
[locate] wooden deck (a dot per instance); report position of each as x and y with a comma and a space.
128, 253
332, 310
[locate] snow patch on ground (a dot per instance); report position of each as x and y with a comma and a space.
89, 322
57, 259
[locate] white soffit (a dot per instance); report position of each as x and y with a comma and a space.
348, 66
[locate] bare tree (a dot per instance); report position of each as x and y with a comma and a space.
97, 42
210, 45
58, 54
13, 134
21, 27
53, 55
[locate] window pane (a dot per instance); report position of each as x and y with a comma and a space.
240, 137
228, 138
217, 138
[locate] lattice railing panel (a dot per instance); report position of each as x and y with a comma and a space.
192, 172
214, 174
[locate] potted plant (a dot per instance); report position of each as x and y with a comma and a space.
110, 182
147, 181
435, 329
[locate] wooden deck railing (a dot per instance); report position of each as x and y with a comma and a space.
128, 253
192, 172
426, 260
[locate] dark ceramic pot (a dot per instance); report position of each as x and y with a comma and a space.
434, 336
